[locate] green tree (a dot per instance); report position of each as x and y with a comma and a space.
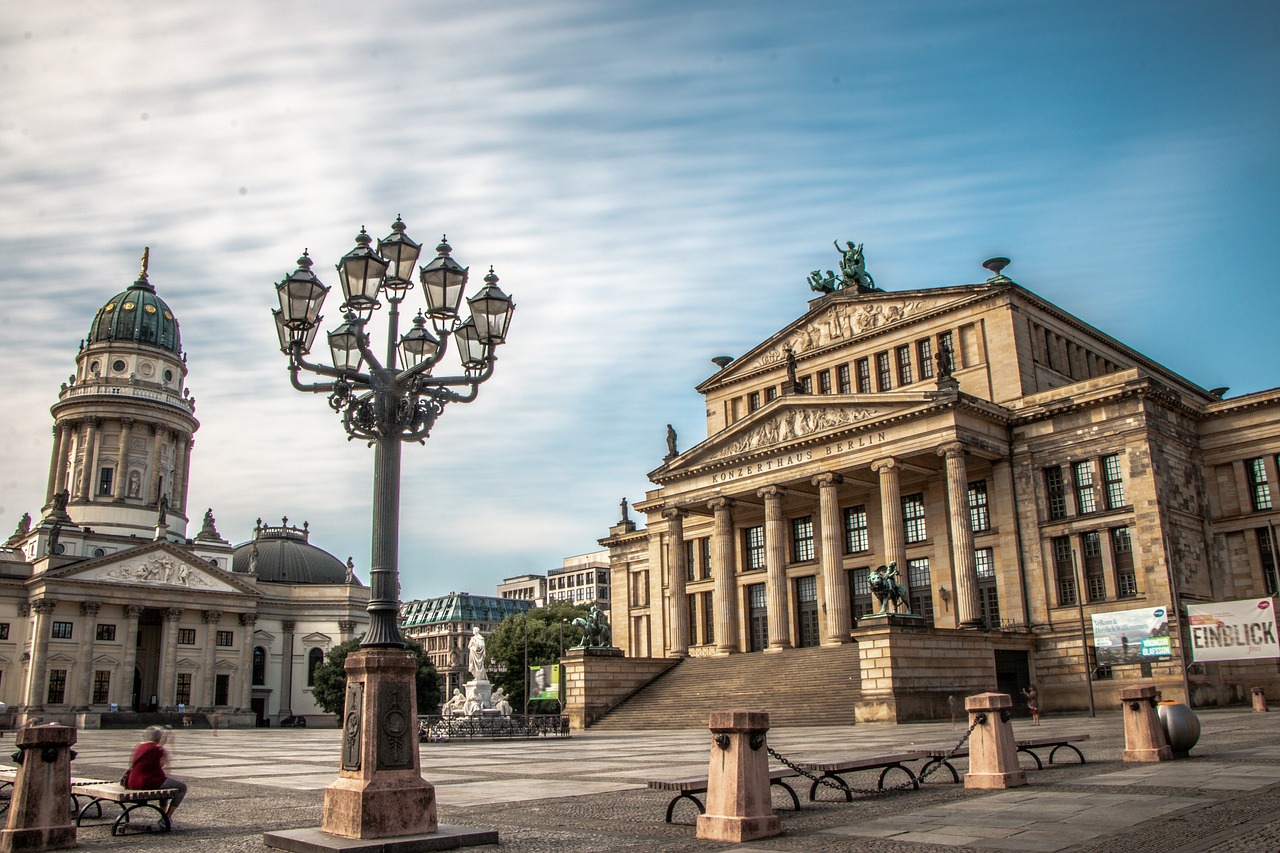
505, 649
329, 688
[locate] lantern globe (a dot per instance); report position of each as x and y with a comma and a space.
443, 281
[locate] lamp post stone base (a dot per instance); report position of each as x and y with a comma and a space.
38, 816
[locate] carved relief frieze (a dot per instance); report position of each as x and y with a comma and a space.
841, 322
793, 424
159, 569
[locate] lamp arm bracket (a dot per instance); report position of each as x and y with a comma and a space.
324, 370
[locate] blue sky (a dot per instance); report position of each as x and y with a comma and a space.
652, 181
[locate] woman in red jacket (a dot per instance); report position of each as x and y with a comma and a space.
146, 770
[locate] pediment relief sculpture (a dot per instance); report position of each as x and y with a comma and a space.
840, 322
159, 569
791, 424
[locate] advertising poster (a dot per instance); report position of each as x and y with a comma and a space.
1132, 636
1233, 630
544, 682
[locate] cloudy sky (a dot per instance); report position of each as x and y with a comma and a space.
651, 180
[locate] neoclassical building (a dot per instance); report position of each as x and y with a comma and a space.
107, 608
1023, 469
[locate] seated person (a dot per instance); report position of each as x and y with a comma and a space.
147, 769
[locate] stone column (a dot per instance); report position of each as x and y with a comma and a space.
968, 611
168, 687
835, 583
248, 620
677, 564
286, 669
80, 698
181, 473
57, 465
90, 460
151, 484
209, 662
37, 672
122, 461
723, 568
895, 547
95, 458
125, 681
775, 556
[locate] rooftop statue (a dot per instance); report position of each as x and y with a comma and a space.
853, 272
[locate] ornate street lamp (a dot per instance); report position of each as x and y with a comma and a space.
386, 402
396, 399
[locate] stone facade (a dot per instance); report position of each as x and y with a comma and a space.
1022, 468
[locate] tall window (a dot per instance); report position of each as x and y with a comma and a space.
1259, 488
843, 384
884, 373
101, 686
861, 601
57, 686
182, 695
259, 665
1055, 489
925, 348
692, 605
1063, 571
690, 559
106, 632
186, 636
708, 618
105, 477
315, 658
1113, 482
988, 595
1122, 559
913, 518
864, 376
802, 539
1086, 497
770, 393
755, 548
979, 510
824, 382
855, 529
807, 612
224, 638
61, 631
1267, 546
706, 559
806, 384
753, 401
221, 688
1094, 580
921, 588
905, 376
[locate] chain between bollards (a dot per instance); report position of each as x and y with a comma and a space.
914, 783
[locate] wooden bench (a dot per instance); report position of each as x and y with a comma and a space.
689, 789
1053, 744
129, 801
941, 756
884, 763
9, 776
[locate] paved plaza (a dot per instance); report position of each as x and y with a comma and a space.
587, 793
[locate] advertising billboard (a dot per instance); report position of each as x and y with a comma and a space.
544, 682
1132, 636
1233, 630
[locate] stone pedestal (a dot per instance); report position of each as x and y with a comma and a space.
993, 753
739, 805
1144, 737
1260, 700
38, 815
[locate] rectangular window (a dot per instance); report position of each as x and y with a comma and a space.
905, 376
753, 401
1055, 489
692, 602
1063, 571
1094, 581
855, 529
221, 688
224, 638
921, 588
690, 560
925, 349
1267, 551
186, 636
770, 393
1121, 556
985, 561
806, 384
824, 382
802, 539
101, 686
884, 373
106, 632
1259, 488
988, 594
754, 548
104, 480
708, 618
706, 558
913, 518
183, 694
4, 630
860, 599
57, 686
1113, 482
61, 631
843, 384
864, 376
1086, 498
979, 510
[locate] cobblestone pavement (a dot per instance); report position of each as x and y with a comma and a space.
587, 793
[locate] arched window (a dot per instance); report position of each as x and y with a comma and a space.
259, 665
315, 657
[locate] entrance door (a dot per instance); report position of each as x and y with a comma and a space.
259, 706
759, 616
1013, 672
807, 611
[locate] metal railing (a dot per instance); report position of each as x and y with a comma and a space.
439, 729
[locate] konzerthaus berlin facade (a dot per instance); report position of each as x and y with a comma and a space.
1022, 468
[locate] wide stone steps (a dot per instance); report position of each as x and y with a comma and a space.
797, 687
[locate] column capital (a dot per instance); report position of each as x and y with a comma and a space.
127, 421
886, 464
771, 492
346, 625
44, 605
827, 478
172, 614
249, 619
211, 616
288, 626
674, 512
90, 608
133, 611
718, 504
952, 449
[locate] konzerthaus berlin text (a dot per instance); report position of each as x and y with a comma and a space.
1023, 469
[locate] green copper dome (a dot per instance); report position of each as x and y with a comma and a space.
137, 316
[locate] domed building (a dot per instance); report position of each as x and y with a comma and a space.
107, 608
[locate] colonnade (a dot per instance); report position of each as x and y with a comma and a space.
77, 454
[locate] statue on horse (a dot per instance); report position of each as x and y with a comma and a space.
596, 633
885, 586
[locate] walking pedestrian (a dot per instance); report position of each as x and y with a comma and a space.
1033, 703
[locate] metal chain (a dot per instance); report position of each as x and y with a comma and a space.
977, 721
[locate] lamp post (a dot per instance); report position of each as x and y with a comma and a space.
386, 402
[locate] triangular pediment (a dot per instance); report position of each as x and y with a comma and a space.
840, 319
316, 639
158, 565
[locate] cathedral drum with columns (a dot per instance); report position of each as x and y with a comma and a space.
999, 469
107, 609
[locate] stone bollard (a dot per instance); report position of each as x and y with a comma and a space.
39, 818
993, 754
1144, 737
1260, 700
739, 803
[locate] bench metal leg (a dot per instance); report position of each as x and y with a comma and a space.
671, 806
792, 791
844, 786
927, 768
1069, 746
915, 782
1039, 763
122, 824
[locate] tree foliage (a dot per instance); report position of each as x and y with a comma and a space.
505, 649
329, 688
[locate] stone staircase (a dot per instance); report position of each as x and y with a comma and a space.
798, 687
